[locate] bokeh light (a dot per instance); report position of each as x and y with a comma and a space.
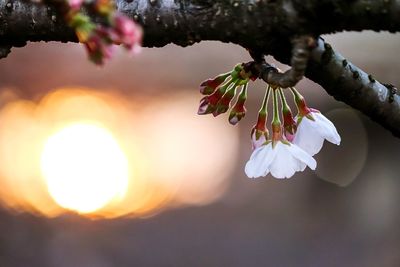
104, 155
332, 165
84, 167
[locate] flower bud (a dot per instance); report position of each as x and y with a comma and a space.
237, 114
289, 137
259, 132
239, 110
208, 104
98, 49
224, 103
209, 86
289, 124
75, 4
300, 103
82, 25
126, 32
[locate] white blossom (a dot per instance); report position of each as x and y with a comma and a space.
311, 134
282, 161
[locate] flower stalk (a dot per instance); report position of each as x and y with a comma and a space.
276, 122
303, 110
239, 110
289, 124
259, 132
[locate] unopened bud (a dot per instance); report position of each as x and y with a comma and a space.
209, 86
288, 121
208, 104
225, 102
75, 4
300, 103
239, 110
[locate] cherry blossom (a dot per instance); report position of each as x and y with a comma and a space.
311, 133
282, 160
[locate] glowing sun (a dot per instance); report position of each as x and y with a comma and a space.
84, 167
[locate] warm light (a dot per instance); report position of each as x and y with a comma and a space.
84, 167
72, 149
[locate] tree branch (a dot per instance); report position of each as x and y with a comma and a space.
346, 82
302, 47
264, 26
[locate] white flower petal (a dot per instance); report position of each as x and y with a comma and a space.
283, 161
310, 134
284, 165
308, 139
259, 162
303, 156
331, 133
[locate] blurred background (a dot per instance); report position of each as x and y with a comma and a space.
182, 198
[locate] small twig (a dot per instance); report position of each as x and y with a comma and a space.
302, 47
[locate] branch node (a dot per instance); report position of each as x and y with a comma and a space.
392, 91
371, 79
302, 47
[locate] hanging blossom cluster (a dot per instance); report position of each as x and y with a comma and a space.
100, 38
293, 140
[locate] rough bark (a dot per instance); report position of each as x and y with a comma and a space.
266, 27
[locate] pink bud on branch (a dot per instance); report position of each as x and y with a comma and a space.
209, 86
239, 110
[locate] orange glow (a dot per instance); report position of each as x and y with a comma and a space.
103, 155
84, 167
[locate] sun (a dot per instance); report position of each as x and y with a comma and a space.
84, 167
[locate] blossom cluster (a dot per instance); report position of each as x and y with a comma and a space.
293, 141
100, 38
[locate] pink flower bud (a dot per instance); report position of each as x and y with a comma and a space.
302, 106
237, 115
75, 4
289, 124
209, 86
98, 49
259, 132
238, 111
289, 136
224, 103
126, 32
203, 107
208, 104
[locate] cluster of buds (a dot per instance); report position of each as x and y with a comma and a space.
220, 91
99, 38
292, 143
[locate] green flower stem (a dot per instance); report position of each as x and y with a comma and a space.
232, 87
243, 93
263, 109
297, 96
276, 119
285, 106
